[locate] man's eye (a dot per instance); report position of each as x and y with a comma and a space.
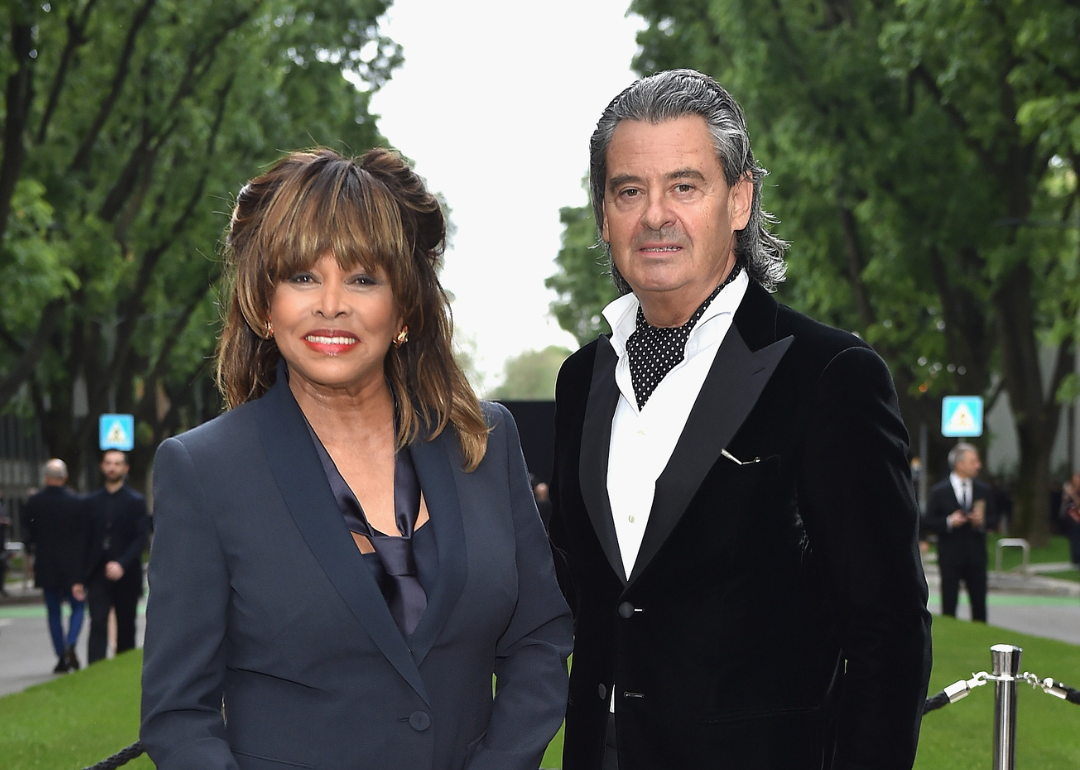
684, 188
630, 192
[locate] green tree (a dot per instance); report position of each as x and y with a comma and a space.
531, 376
924, 158
128, 128
581, 260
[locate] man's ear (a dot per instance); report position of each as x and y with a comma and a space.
740, 199
603, 225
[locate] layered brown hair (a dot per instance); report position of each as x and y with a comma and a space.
371, 212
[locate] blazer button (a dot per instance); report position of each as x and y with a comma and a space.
602, 691
626, 610
419, 721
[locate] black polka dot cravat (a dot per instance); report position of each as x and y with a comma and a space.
655, 350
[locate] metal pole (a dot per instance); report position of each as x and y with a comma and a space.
1006, 665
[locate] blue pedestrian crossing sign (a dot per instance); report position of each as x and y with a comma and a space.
961, 416
117, 431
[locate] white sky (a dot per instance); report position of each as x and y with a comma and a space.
495, 103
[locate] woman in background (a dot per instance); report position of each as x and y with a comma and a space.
344, 559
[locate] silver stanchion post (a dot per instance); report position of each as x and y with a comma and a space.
1006, 666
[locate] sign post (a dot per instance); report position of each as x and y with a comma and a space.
962, 416
116, 431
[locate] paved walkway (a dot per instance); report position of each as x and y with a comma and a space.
26, 653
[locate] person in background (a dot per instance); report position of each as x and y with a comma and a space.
1070, 515
55, 534
961, 511
113, 577
349, 554
5, 526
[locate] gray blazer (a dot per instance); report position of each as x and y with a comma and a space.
260, 599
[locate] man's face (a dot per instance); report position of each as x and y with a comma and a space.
114, 467
968, 465
669, 216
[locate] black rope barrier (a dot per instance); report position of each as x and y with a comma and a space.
934, 702
120, 758
961, 689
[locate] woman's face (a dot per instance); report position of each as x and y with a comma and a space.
334, 327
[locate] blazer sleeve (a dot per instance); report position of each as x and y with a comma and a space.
132, 555
858, 506
531, 674
184, 649
938, 508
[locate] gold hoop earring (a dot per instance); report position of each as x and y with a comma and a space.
402, 337
269, 329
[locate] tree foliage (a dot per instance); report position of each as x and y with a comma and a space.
581, 260
128, 128
923, 157
531, 376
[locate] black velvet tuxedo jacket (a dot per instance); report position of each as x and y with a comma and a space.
259, 597
776, 613
966, 539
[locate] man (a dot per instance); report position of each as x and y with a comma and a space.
959, 509
118, 526
732, 501
55, 532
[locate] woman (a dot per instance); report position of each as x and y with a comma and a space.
344, 559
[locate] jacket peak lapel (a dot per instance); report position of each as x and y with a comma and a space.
730, 391
595, 446
302, 483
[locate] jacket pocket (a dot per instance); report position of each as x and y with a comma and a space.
255, 762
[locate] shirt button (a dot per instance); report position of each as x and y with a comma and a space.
419, 721
631, 519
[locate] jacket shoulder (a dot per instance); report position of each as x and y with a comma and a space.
576, 370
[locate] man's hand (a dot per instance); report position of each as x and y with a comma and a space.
78, 592
956, 518
978, 515
113, 570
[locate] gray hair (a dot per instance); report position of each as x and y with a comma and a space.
55, 469
959, 451
674, 94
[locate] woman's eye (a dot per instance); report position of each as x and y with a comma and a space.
364, 280
302, 278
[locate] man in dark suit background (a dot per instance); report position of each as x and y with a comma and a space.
55, 531
733, 507
960, 510
113, 568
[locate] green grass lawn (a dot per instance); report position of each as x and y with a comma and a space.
76, 720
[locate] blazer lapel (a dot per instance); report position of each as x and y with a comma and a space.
595, 445
433, 461
302, 483
730, 391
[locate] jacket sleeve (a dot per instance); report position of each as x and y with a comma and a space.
531, 674
857, 502
132, 555
184, 650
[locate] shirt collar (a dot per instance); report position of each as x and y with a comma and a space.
621, 314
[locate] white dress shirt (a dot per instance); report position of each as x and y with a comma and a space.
962, 488
642, 441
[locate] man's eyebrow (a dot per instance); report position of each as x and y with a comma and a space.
621, 179
686, 173
680, 173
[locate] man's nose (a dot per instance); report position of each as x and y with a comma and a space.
658, 213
